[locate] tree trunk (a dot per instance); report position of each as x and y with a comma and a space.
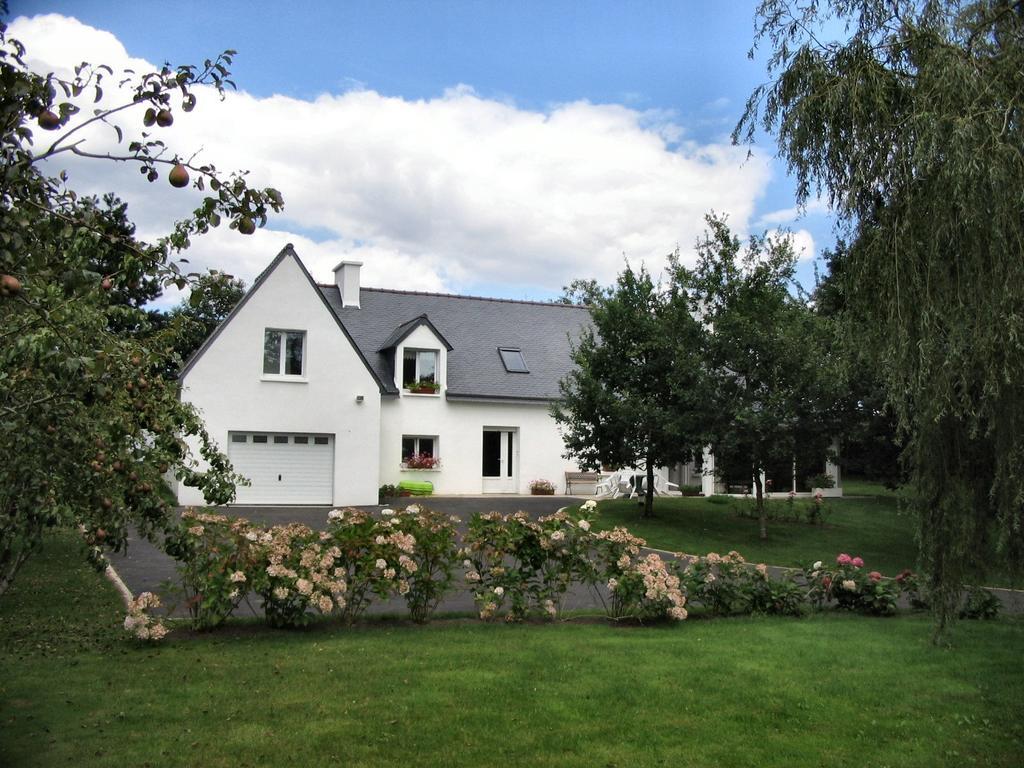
649, 491
762, 515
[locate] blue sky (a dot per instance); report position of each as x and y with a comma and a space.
674, 73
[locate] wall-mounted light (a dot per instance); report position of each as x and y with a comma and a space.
359, 399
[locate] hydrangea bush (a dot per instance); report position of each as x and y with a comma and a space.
410, 553
427, 555
852, 587
138, 621
727, 584
646, 588
217, 557
773, 597
515, 566
717, 582
367, 558
300, 574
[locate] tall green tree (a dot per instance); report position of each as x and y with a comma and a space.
213, 297
912, 125
867, 430
636, 395
775, 381
88, 426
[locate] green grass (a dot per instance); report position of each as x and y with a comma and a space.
829, 690
857, 486
871, 527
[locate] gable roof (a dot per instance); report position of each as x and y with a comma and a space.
473, 329
285, 252
405, 329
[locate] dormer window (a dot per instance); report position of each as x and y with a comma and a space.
512, 358
419, 365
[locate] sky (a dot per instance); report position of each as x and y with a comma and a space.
484, 148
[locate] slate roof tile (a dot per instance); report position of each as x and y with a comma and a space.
475, 327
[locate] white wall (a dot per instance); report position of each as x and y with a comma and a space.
228, 386
458, 427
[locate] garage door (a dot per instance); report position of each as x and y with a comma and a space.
283, 468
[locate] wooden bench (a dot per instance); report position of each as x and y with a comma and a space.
580, 477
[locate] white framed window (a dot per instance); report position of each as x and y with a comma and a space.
284, 352
420, 451
419, 365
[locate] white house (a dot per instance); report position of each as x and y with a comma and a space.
305, 386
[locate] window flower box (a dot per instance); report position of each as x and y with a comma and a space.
423, 387
421, 461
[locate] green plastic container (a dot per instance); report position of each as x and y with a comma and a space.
417, 487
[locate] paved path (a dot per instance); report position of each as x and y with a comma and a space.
146, 568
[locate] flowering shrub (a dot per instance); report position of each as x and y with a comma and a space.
427, 553
642, 588
216, 558
528, 565
141, 624
646, 589
366, 557
717, 582
851, 588
300, 574
726, 584
773, 597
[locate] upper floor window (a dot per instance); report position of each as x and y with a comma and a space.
284, 352
419, 365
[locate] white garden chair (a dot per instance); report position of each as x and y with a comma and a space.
663, 486
609, 487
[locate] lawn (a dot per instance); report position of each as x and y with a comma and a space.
828, 690
869, 526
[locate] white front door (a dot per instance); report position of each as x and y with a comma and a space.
500, 460
283, 468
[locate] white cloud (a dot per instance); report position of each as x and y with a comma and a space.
788, 215
801, 240
438, 194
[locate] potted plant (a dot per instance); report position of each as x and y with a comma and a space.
820, 482
423, 387
542, 488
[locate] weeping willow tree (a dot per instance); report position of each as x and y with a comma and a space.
909, 122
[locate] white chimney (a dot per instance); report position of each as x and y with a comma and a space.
346, 277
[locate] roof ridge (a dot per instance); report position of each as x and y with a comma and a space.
534, 302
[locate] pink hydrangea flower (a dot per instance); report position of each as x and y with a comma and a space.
844, 559
857, 562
